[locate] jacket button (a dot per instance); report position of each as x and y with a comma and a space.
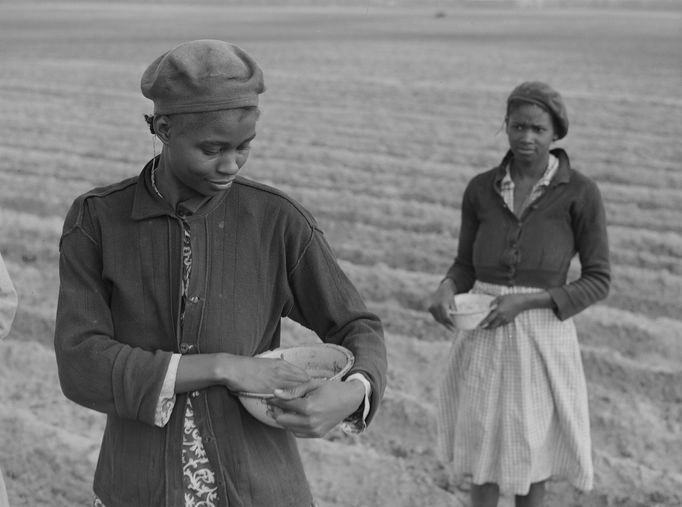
186, 347
194, 299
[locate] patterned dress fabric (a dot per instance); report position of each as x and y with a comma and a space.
513, 402
199, 479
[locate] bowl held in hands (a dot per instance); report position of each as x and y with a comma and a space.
321, 361
470, 309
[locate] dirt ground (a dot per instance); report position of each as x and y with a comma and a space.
378, 147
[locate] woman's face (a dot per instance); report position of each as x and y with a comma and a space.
204, 153
530, 131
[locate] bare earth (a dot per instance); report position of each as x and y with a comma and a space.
375, 118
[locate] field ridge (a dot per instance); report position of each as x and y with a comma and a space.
375, 118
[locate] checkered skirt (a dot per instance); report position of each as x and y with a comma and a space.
513, 402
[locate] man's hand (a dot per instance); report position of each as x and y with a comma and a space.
313, 409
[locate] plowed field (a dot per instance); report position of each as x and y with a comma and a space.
375, 119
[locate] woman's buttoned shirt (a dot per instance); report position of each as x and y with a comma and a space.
535, 249
257, 256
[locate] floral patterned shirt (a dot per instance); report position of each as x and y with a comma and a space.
199, 480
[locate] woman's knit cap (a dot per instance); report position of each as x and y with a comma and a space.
546, 97
200, 76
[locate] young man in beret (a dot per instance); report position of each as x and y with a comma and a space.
171, 283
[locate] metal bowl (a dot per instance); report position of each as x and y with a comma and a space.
322, 361
470, 309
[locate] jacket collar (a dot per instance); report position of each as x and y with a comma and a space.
148, 204
562, 175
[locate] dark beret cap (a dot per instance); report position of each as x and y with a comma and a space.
546, 97
200, 76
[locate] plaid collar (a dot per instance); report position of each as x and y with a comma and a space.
544, 181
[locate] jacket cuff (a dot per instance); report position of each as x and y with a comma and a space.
166, 401
562, 303
357, 421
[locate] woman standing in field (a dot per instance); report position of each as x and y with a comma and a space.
172, 281
513, 404
8, 308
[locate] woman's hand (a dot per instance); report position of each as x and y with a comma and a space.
237, 373
313, 409
440, 303
504, 309
261, 375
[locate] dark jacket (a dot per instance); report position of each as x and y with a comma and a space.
258, 256
536, 249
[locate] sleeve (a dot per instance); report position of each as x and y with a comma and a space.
95, 369
462, 272
357, 422
325, 301
167, 397
588, 220
8, 300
